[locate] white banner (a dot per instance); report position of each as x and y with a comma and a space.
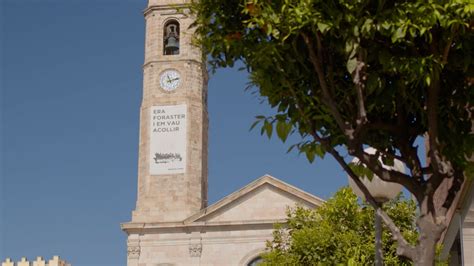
168, 139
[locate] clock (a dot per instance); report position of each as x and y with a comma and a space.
170, 80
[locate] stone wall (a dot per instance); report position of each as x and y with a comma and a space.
229, 245
55, 261
172, 197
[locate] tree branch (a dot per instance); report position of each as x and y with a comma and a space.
328, 100
332, 84
404, 248
458, 180
372, 162
412, 160
359, 78
432, 113
447, 48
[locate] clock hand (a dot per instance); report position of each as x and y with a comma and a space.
169, 79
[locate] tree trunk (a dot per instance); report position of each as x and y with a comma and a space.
426, 252
430, 233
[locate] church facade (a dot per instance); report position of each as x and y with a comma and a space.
232, 231
172, 223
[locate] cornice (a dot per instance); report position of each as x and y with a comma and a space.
150, 242
198, 226
150, 9
171, 61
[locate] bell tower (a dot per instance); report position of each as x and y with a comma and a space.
172, 165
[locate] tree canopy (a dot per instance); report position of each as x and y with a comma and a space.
339, 232
346, 74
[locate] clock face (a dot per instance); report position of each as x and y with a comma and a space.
170, 80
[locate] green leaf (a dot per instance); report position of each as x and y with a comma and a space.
368, 26
283, 129
310, 155
268, 128
323, 27
399, 34
361, 170
319, 150
254, 124
428, 80
351, 64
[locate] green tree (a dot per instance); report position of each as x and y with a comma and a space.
348, 74
339, 232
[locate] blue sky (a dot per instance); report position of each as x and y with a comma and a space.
71, 84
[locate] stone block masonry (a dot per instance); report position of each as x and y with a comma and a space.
172, 164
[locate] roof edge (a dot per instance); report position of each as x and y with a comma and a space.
265, 179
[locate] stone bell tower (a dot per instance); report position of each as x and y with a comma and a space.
172, 165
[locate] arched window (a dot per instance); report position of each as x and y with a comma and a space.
255, 261
171, 38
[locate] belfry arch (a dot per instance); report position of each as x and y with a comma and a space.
171, 37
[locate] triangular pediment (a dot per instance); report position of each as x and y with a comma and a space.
265, 199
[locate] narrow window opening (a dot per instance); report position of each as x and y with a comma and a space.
171, 38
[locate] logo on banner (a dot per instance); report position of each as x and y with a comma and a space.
167, 157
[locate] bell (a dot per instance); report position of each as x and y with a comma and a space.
172, 46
